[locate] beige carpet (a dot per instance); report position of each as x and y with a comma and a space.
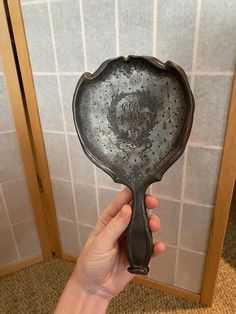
37, 289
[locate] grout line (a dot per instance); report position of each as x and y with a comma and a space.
192, 251
117, 28
66, 219
88, 225
23, 221
192, 144
54, 132
83, 33
7, 132
109, 188
185, 249
64, 123
195, 44
72, 133
214, 73
30, 2
60, 179
197, 204
81, 224
194, 60
189, 73
33, 3
70, 73
160, 197
86, 68
57, 73
9, 221
181, 212
13, 180
166, 198
45, 73
59, 132
154, 38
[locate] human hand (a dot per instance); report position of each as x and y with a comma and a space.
101, 269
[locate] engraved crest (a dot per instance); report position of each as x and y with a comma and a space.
132, 118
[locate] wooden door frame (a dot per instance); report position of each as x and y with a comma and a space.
18, 75
225, 180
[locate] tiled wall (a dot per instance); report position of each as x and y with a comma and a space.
67, 38
18, 236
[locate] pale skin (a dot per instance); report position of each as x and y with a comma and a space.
101, 269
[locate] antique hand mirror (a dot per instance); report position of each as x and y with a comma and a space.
133, 117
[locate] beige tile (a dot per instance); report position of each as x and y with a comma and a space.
99, 23
10, 158
104, 198
8, 253
3, 215
69, 237
201, 175
175, 31
86, 204
162, 268
104, 180
135, 27
195, 227
18, 201
210, 120
27, 239
168, 212
68, 84
57, 155
190, 270
84, 233
217, 33
82, 167
48, 102
63, 198
171, 183
39, 40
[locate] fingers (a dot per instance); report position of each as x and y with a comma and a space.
151, 202
112, 232
122, 198
154, 223
158, 248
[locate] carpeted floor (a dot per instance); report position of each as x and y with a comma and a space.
37, 289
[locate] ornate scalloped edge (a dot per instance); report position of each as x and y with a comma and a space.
168, 66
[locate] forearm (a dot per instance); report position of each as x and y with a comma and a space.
75, 300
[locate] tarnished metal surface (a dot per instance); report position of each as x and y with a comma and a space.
133, 117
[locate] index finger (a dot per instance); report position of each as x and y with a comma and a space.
121, 198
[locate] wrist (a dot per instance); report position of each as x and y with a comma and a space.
76, 299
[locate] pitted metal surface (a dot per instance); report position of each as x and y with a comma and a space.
132, 116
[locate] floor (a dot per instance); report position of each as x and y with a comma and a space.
37, 289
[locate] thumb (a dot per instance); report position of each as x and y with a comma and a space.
116, 227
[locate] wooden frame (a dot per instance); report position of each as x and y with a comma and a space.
35, 125
29, 132
34, 158
19, 265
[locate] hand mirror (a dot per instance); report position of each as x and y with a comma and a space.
133, 117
